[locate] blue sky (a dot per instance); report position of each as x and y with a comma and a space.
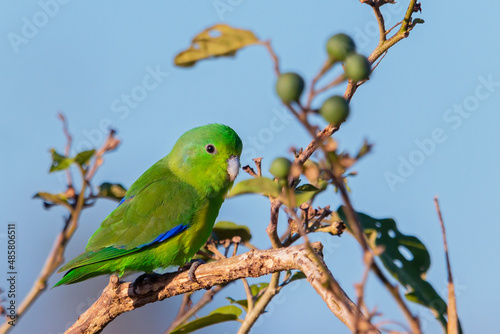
430, 108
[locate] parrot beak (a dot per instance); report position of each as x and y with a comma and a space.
233, 167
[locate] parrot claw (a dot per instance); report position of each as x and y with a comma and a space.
191, 266
191, 272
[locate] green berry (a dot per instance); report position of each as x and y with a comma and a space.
357, 67
335, 110
289, 87
339, 46
280, 167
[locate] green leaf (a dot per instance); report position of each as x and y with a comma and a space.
405, 257
53, 199
298, 275
303, 193
222, 314
305, 188
227, 230
307, 192
255, 288
257, 185
418, 21
218, 40
83, 157
59, 162
232, 310
242, 302
114, 191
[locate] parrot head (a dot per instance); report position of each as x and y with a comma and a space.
207, 157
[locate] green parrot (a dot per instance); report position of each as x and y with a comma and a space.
168, 214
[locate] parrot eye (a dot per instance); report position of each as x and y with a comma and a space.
210, 149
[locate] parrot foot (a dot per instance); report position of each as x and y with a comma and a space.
191, 266
194, 264
146, 277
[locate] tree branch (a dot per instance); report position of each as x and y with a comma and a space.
453, 326
118, 298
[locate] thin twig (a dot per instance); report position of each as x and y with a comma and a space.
302, 117
249, 170
337, 81
248, 245
258, 165
320, 137
213, 248
380, 21
351, 214
312, 90
452, 301
69, 140
110, 144
360, 288
392, 28
392, 322
274, 57
236, 241
248, 292
379, 61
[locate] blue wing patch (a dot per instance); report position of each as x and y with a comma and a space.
125, 199
169, 234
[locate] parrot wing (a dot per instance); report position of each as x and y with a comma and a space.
160, 210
